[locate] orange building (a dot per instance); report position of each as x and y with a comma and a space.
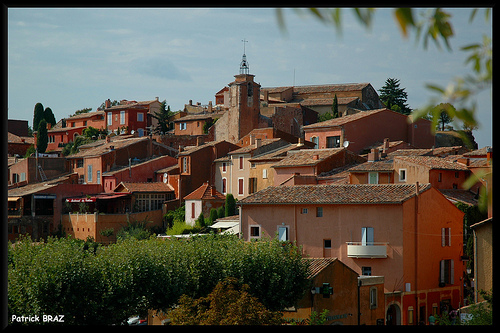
414, 240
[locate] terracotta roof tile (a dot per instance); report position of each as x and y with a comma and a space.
146, 187
381, 165
433, 162
204, 192
305, 157
316, 265
335, 194
345, 119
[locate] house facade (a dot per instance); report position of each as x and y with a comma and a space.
202, 200
374, 230
130, 116
366, 128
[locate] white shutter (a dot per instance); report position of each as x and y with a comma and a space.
363, 236
449, 237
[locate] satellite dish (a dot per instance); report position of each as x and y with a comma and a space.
165, 177
132, 132
345, 144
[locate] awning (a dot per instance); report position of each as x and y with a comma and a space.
14, 198
224, 225
73, 200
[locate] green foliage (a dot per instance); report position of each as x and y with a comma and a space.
108, 285
230, 205
72, 147
335, 107
201, 220
213, 216
392, 95
93, 133
42, 138
318, 318
31, 150
135, 229
37, 115
230, 303
163, 118
221, 212
48, 115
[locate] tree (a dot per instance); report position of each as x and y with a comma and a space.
42, 138
37, 115
394, 97
230, 205
48, 115
230, 303
213, 216
163, 117
201, 220
221, 212
335, 107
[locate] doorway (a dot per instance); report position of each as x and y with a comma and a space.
393, 316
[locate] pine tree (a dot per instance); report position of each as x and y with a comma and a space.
37, 115
394, 97
42, 137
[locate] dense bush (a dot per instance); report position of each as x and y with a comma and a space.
130, 277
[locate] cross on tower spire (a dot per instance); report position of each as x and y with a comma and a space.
244, 68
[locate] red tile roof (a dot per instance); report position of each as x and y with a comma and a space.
433, 162
345, 119
335, 194
316, 265
305, 157
145, 187
205, 192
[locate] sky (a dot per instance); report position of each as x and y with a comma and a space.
74, 58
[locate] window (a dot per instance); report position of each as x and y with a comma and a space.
110, 118
446, 271
192, 210
283, 233
373, 178
89, 173
410, 315
140, 132
224, 185
327, 243
23, 177
440, 177
264, 173
366, 270
445, 237
333, 141
402, 175
315, 140
252, 185
304, 211
140, 116
366, 236
240, 186
373, 297
254, 231
224, 165
182, 126
98, 176
184, 164
319, 211
241, 162
122, 117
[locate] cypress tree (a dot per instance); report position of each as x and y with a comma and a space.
42, 138
37, 115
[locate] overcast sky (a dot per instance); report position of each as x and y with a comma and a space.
70, 59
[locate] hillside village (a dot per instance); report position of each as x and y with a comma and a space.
376, 206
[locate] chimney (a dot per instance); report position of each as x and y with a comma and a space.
300, 142
157, 99
108, 139
258, 143
315, 157
489, 155
107, 103
373, 155
213, 191
181, 148
385, 147
416, 188
49, 126
199, 141
266, 96
210, 106
190, 102
252, 139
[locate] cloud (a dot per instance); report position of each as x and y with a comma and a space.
161, 68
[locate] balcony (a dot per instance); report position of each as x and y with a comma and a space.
366, 250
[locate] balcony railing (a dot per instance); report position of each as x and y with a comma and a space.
366, 250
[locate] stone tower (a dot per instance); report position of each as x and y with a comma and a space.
244, 107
